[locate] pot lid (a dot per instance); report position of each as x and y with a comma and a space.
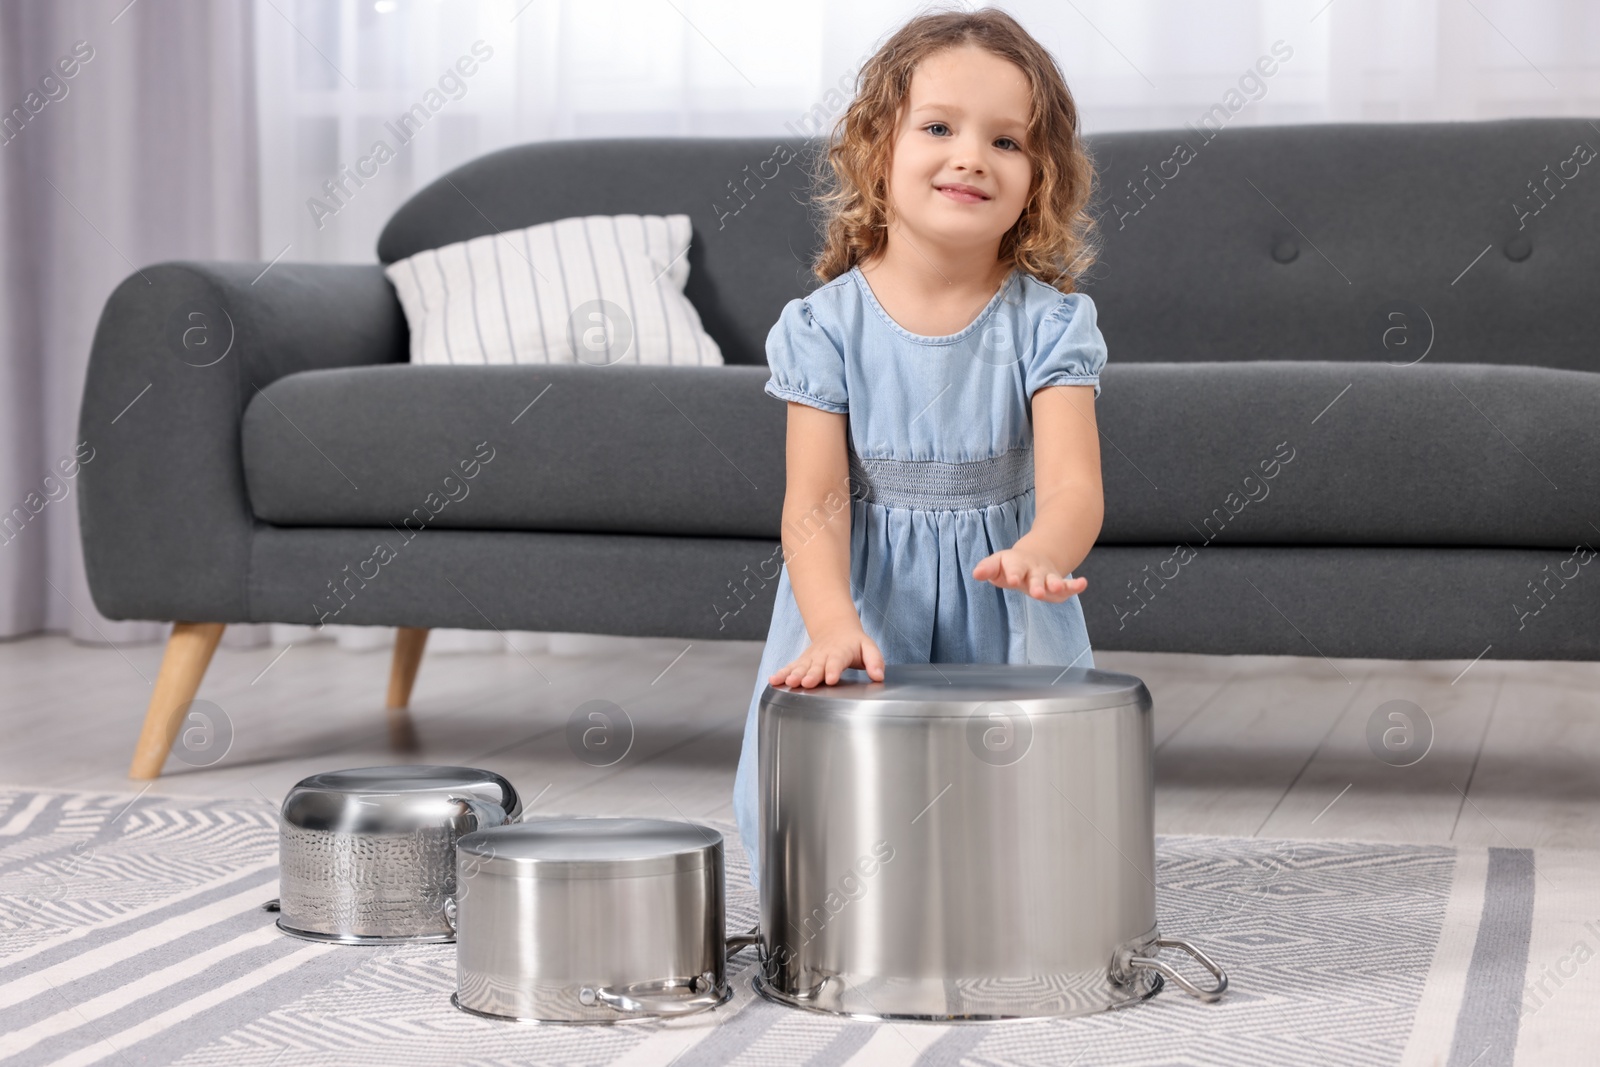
560, 847
394, 799
955, 690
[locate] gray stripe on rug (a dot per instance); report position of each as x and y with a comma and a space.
205, 1026
117, 929
112, 822
42, 821
217, 1022
78, 1030
949, 1050
18, 849
1486, 1028
146, 961
843, 1045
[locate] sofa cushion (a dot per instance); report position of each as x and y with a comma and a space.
1268, 452
629, 449
1368, 454
600, 289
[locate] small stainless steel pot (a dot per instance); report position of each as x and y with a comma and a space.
961, 842
367, 856
591, 921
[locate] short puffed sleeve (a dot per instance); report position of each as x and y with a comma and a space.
1068, 348
807, 366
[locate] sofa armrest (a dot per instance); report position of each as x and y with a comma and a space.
180, 350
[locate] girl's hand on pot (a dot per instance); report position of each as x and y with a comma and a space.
1025, 568
830, 653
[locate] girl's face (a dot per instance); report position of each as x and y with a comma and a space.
961, 170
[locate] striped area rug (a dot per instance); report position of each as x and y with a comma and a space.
132, 933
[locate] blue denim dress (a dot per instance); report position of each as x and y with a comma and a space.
941, 476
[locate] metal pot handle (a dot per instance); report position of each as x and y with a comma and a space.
485, 813
1151, 963
657, 998
739, 942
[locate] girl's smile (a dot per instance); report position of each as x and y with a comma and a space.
963, 194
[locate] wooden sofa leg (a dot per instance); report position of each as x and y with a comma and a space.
189, 650
408, 644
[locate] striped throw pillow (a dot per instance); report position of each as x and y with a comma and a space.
599, 289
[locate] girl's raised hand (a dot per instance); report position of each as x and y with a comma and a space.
1029, 570
830, 653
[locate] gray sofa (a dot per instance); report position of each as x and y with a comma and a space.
1350, 410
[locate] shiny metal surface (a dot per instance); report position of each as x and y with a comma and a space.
1080, 999
686, 1003
958, 842
590, 920
367, 856
596, 848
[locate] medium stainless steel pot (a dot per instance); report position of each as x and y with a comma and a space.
367, 856
961, 842
591, 921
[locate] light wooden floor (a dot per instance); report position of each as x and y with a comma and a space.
1246, 745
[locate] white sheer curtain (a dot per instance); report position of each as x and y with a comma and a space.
205, 130
146, 152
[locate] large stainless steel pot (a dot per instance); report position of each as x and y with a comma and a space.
367, 856
591, 921
961, 841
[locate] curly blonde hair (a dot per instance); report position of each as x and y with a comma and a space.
1054, 239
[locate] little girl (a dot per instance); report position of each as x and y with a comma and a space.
943, 460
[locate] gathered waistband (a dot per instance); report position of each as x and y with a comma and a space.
932, 485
